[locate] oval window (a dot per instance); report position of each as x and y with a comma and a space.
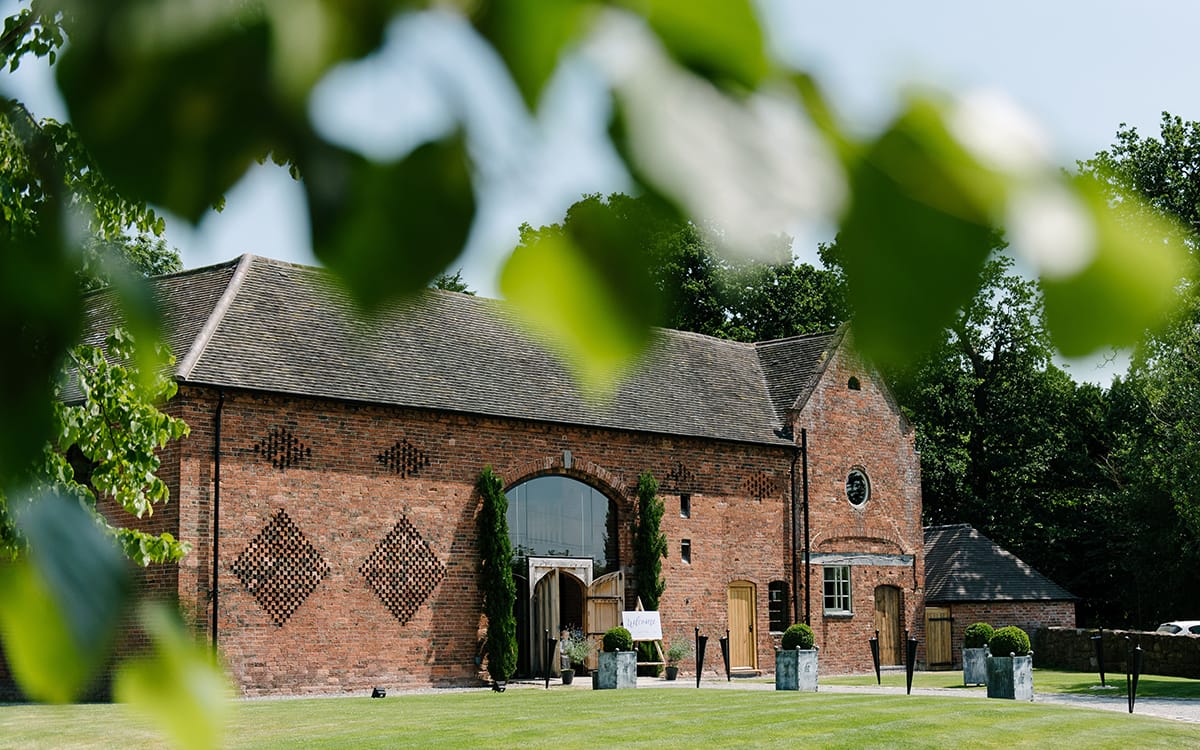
858, 488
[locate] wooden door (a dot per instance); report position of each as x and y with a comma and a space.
605, 600
742, 626
887, 622
544, 622
938, 626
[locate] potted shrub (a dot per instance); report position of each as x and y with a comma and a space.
975, 641
1010, 665
617, 666
680, 649
576, 648
796, 660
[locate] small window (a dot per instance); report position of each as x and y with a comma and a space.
685, 506
837, 590
777, 605
853, 384
858, 488
685, 551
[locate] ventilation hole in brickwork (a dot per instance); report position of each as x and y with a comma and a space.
280, 568
404, 459
853, 384
403, 571
760, 486
282, 448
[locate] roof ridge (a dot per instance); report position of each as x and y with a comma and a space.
215, 317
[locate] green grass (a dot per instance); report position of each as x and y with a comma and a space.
1044, 681
652, 718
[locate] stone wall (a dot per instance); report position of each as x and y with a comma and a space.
1162, 654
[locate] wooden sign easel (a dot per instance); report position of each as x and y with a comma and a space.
658, 647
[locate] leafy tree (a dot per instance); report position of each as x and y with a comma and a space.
1156, 409
499, 589
649, 542
450, 283
696, 286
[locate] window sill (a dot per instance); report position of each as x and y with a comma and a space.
839, 615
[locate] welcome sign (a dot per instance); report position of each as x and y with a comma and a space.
643, 626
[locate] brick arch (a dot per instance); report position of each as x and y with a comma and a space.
824, 541
609, 483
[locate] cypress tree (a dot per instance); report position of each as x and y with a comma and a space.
649, 542
499, 589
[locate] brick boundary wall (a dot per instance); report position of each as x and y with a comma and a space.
1162, 654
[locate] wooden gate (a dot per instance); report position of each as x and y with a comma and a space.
742, 651
605, 600
887, 622
938, 627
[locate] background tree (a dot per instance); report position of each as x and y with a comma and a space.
496, 577
696, 286
1156, 408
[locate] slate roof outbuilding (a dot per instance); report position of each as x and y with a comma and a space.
266, 325
962, 565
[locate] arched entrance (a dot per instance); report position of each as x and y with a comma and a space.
887, 622
564, 537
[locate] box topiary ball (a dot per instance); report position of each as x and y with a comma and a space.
1009, 640
798, 636
977, 635
618, 639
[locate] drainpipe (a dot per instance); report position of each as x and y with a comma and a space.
216, 514
807, 552
792, 541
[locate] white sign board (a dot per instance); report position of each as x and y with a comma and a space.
643, 626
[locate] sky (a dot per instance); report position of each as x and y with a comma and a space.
1080, 68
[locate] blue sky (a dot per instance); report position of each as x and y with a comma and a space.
1079, 67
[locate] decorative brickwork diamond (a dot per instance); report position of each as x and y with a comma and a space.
403, 571
280, 568
404, 459
680, 478
282, 448
760, 486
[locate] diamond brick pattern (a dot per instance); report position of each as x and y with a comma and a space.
282, 448
760, 486
403, 571
404, 459
280, 568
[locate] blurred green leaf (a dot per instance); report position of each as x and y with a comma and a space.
915, 238
389, 229
718, 39
178, 685
173, 125
531, 36
586, 290
1130, 285
62, 600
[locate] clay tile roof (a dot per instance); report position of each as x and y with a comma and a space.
266, 325
962, 565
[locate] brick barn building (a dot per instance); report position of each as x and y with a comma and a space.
972, 579
328, 485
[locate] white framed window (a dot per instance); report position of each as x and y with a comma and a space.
685, 506
685, 551
837, 590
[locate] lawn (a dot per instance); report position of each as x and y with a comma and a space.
1044, 681
653, 718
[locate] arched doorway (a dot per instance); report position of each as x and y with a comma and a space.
887, 622
564, 538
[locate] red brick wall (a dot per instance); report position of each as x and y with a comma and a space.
1028, 616
862, 429
344, 502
